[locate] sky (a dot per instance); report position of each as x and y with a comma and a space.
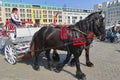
82, 4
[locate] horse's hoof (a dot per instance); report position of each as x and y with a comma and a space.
72, 63
89, 64
36, 67
57, 71
81, 76
59, 68
51, 66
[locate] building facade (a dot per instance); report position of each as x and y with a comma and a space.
36, 13
111, 11
42, 14
71, 16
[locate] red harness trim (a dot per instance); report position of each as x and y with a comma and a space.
90, 36
78, 41
63, 33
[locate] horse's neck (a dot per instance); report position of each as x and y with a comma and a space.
88, 26
84, 28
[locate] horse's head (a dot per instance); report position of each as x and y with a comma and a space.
99, 26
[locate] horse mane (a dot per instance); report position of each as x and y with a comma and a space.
86, 24
91, 14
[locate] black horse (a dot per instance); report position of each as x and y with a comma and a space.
47, 38
86, 26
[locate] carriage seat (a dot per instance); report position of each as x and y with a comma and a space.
23, 34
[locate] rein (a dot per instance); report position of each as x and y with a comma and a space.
66, 44
80, 31
87, 36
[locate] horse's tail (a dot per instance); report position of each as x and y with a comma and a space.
32, 45
37, 40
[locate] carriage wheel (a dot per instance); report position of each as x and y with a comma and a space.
10, 54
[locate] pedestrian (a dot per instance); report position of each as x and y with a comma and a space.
15, 20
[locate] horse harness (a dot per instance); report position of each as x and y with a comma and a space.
77, 39
87, 36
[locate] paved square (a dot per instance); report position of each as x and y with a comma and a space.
105, 56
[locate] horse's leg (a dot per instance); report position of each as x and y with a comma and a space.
50, 64
79, 73
88, 62
36, 57
55, 55
61, 65
72, 62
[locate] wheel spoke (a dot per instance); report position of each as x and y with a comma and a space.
9, 54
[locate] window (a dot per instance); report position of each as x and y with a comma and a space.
73, 21
43, 7
22, 10
68, 17
55, 12
7, 14
50, 20
80, 17
7, 10
23, 15
28, 15
7, 4
44, 12
28, 19
28, 11
28, 6
49, 7
20, 15
21, 5
49, 12
50, 16
0, 9
68, 21
60, 16
60, 20
74, 17
45, 16
45, 20
14, 5
0, 19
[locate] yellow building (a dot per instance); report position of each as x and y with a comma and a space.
40, 14
43, 14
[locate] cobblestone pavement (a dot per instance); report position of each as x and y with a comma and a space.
105, 56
